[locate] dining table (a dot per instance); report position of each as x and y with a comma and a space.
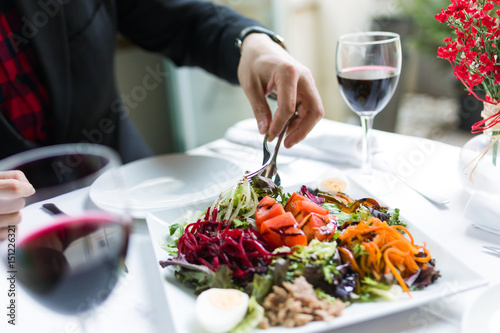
138, 302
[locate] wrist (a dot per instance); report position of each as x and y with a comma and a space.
256, 30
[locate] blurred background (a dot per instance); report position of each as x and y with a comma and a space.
189, 107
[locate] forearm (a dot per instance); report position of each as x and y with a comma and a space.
192, 33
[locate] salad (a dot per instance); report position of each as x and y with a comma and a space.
288, 259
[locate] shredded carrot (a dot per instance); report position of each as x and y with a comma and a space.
424, 259
390, 249
394, 271
348, 256
372, 254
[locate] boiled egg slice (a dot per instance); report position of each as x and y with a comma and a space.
220, 310
332, 180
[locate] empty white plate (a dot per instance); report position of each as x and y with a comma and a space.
167, 181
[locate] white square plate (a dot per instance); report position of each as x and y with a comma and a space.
455, 277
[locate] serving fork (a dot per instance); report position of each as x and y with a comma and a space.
269, 167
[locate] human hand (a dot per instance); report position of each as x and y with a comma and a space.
266, 67
14, 187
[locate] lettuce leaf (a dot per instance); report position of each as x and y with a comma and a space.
372, 290
252, 319
342, 217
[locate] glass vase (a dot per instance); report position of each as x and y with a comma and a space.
480, 174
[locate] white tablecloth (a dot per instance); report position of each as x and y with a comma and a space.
138, 304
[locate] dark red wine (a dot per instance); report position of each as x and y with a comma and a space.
367, 89
74, 264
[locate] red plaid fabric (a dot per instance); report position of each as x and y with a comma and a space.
23, 98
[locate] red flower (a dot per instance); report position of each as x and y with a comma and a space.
472, 50
487, 7
441, 17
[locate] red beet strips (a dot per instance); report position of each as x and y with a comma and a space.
212, 243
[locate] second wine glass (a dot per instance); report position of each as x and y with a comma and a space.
368, 65
68, 263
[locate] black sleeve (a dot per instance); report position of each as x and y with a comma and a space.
190, 32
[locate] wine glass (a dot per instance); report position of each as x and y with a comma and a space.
69, 261
368, 65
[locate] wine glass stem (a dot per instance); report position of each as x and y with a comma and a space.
366, 125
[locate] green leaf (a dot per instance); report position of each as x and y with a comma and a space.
261, 285
280, 270
252, 319
173, 228
284, 198
264, 186
237, 223
320, 294
198, 280
223, 278
316, 251
341, 216
373, 283
170, 238
395, 219
329, 271
371, 290
358, 250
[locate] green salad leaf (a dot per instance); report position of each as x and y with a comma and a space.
169, 241
395, 219
342, 217
252, 319
358, 250
372, 290
261, 286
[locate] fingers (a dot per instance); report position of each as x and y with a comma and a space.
14, 187
3, 233
302, 126
13, 184
260, 108
9, 206
264, 67
310, 110
285, 79
13, 174
302, 96
6, 222
10, 219
296, 91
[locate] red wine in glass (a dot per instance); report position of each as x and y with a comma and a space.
72, 265
367, 89
367, 65
69, 264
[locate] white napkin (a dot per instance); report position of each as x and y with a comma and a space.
483, 211
329, 141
